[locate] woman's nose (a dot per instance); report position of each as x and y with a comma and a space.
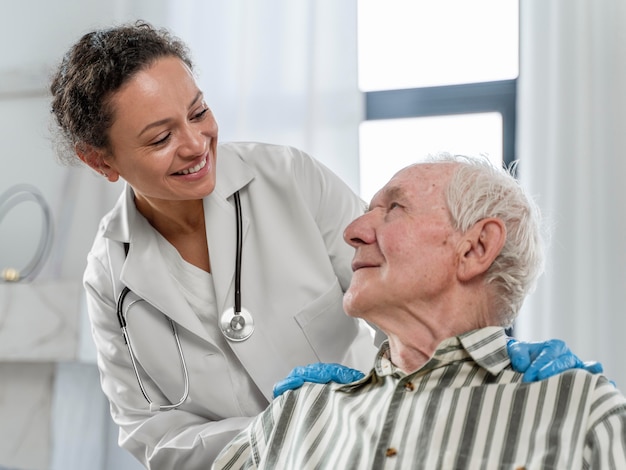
193, 142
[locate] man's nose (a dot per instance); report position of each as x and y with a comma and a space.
361, 230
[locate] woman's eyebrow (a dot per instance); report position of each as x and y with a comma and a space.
166, 120
196, 99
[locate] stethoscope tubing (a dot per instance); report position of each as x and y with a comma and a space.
241, 319
153, 406
238, 255
237, 323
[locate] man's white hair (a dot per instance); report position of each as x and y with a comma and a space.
478, 189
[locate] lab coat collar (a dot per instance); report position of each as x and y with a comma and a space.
232, 175
144, 270
221, 222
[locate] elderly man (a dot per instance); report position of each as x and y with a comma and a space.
443, 261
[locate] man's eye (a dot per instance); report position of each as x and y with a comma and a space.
394, 205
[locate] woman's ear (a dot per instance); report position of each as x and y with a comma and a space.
95, 158
479, 247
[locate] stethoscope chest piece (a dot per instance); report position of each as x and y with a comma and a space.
236, 326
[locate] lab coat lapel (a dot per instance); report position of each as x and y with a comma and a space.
221, 226
220, 216
222, 238
146, 274
222, 233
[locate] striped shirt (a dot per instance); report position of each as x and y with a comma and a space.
464, 409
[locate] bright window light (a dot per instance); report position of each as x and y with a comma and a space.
420, 43
388, 145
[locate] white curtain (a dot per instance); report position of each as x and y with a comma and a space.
572, 147
279, 71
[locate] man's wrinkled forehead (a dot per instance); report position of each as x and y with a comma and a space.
388, 192
417, 180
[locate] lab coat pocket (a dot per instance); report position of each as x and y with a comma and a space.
327, 328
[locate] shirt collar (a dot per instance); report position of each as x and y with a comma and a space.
485, 346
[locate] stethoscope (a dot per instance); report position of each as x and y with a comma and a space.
236, 323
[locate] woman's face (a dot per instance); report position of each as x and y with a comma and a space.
164, 136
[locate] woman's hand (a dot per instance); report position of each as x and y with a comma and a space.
540, 360
320, 373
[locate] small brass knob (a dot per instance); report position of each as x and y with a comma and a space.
10, 274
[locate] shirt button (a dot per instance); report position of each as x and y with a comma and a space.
391, 452
409, 387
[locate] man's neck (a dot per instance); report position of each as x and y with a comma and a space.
411, 356
415, 331
411, 348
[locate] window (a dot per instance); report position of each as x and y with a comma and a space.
437, 76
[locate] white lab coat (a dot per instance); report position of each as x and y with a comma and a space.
295, 268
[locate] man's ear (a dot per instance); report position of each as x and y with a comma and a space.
95, 158
479, 247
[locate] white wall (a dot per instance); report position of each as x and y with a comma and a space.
53, 414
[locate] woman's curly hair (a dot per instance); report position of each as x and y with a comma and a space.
92, 70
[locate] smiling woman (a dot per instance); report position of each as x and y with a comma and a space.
203, 235
166, 131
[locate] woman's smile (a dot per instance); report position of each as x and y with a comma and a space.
194, 169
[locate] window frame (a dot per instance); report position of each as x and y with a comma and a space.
496, 96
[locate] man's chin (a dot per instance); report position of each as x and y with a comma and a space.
353, 304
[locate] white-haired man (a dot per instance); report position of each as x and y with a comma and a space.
443, 260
